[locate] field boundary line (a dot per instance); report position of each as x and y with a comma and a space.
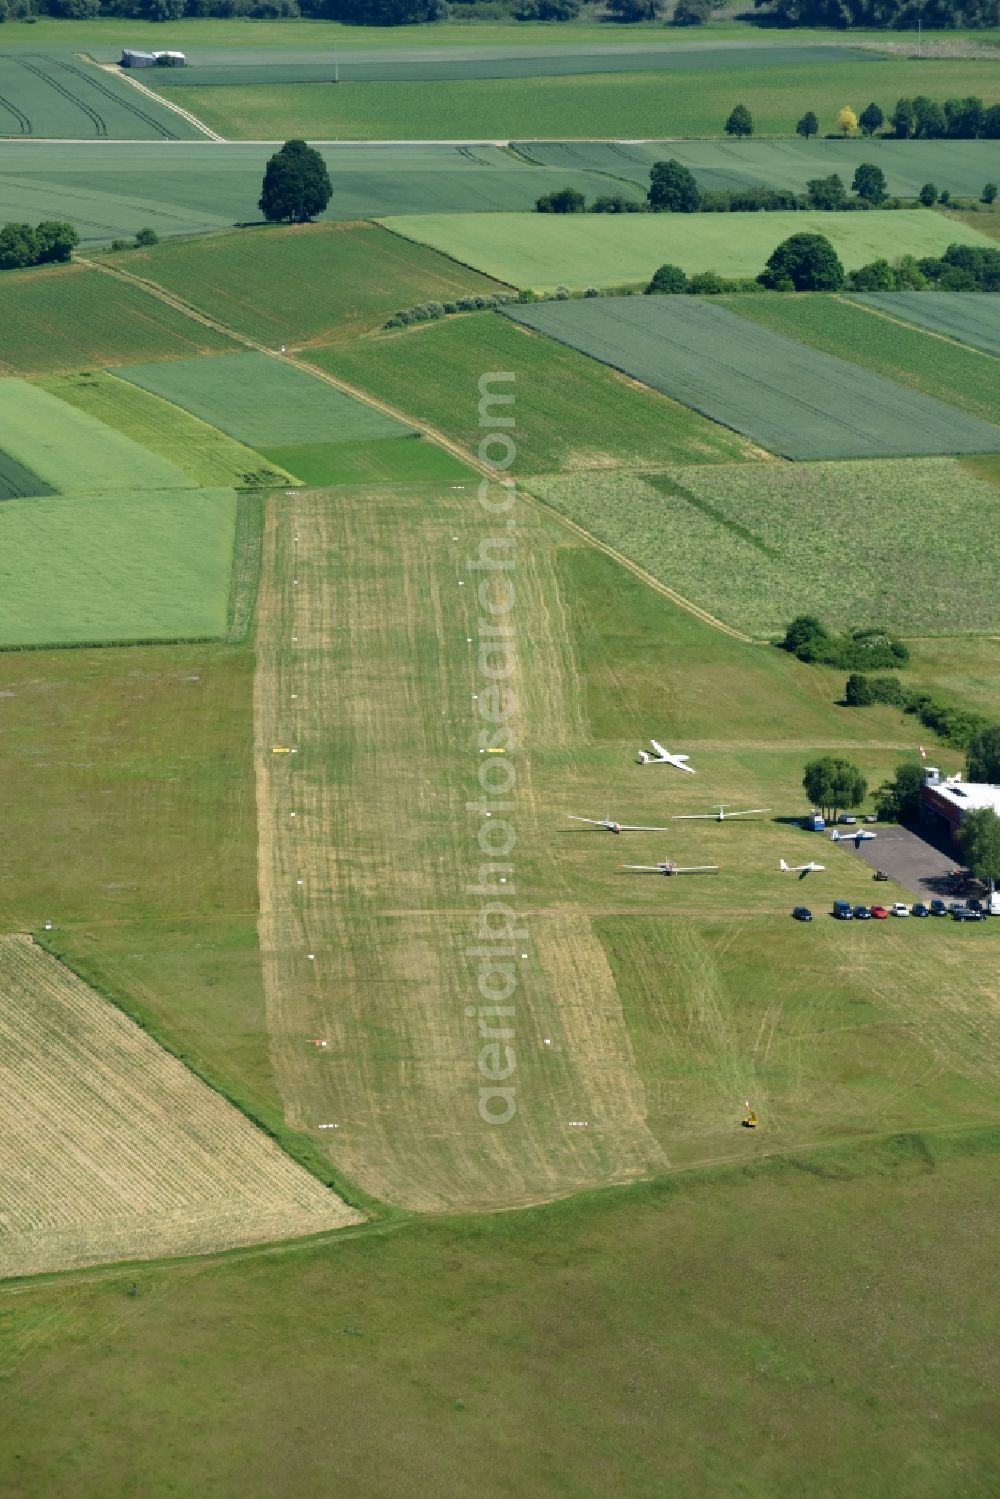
891, 317
185, 114
457, 449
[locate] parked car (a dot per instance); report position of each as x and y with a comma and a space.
869, 817
880, 874
802, 913
843, 910
880, 912
957, 905
962, 913
919, 909
862, 913
900, 908
938, 907
848, 819
975, 905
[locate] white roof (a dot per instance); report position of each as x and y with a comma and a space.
969, 796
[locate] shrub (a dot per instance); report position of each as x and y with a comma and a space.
566, 200
928, 195
146, 236
706, 284
667, 281
592, 291
989, 193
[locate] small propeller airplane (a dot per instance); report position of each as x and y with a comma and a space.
719, 815
664, 757
615, 827
669, 867
801, 869
859, 836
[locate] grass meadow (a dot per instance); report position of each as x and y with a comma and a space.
75, 318
758, 544
795, 400
374, 460
544, 251
814, 1324
257, 398
693, 102
116, 567
306, 284
572, 412
969, 318
962, 377
206, 455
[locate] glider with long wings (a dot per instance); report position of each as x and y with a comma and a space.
859, 836
719, 815
663, 756
615, 827
801, 869
669, 867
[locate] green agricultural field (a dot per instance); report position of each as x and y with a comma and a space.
74, 318
75, 451
866, 1315
109, 191
571, 412
961, 376
792, 399
401, 460
136, 565
61, 95
256, 398
16, 480
692, 102
206, 455
544, 251
305, 284
968, 317
961, 166
756, 545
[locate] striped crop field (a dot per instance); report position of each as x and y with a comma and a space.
116, 567
59, 94
794, 400
74, 318
756, 544
111, 1149
961, 166
206, 455
74, 451
267, 401
544, 251
971, 318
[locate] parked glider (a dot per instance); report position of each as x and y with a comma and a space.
801, 869
662, 756
669, 867
719, 815
615, 827
859, 836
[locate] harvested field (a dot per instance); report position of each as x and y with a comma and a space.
792, 399
758, 544
111, 1149
259, 399
206, 455
73, 451
544, 251
114, 567
971, 318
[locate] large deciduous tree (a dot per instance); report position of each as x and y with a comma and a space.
808, 125
672, 188
898, 800
740, 122
871, 119
982, 756
296, 185
979, 840
869, 184
834, 784
827, 193
804, 262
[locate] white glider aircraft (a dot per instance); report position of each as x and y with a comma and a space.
615, 827
859, 836
801, 869
718, 816
664, 757
669, 867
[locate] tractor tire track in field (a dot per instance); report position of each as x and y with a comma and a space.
102, 88
469, 458
100, 127
19, 115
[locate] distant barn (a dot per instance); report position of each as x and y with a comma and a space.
131, 59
